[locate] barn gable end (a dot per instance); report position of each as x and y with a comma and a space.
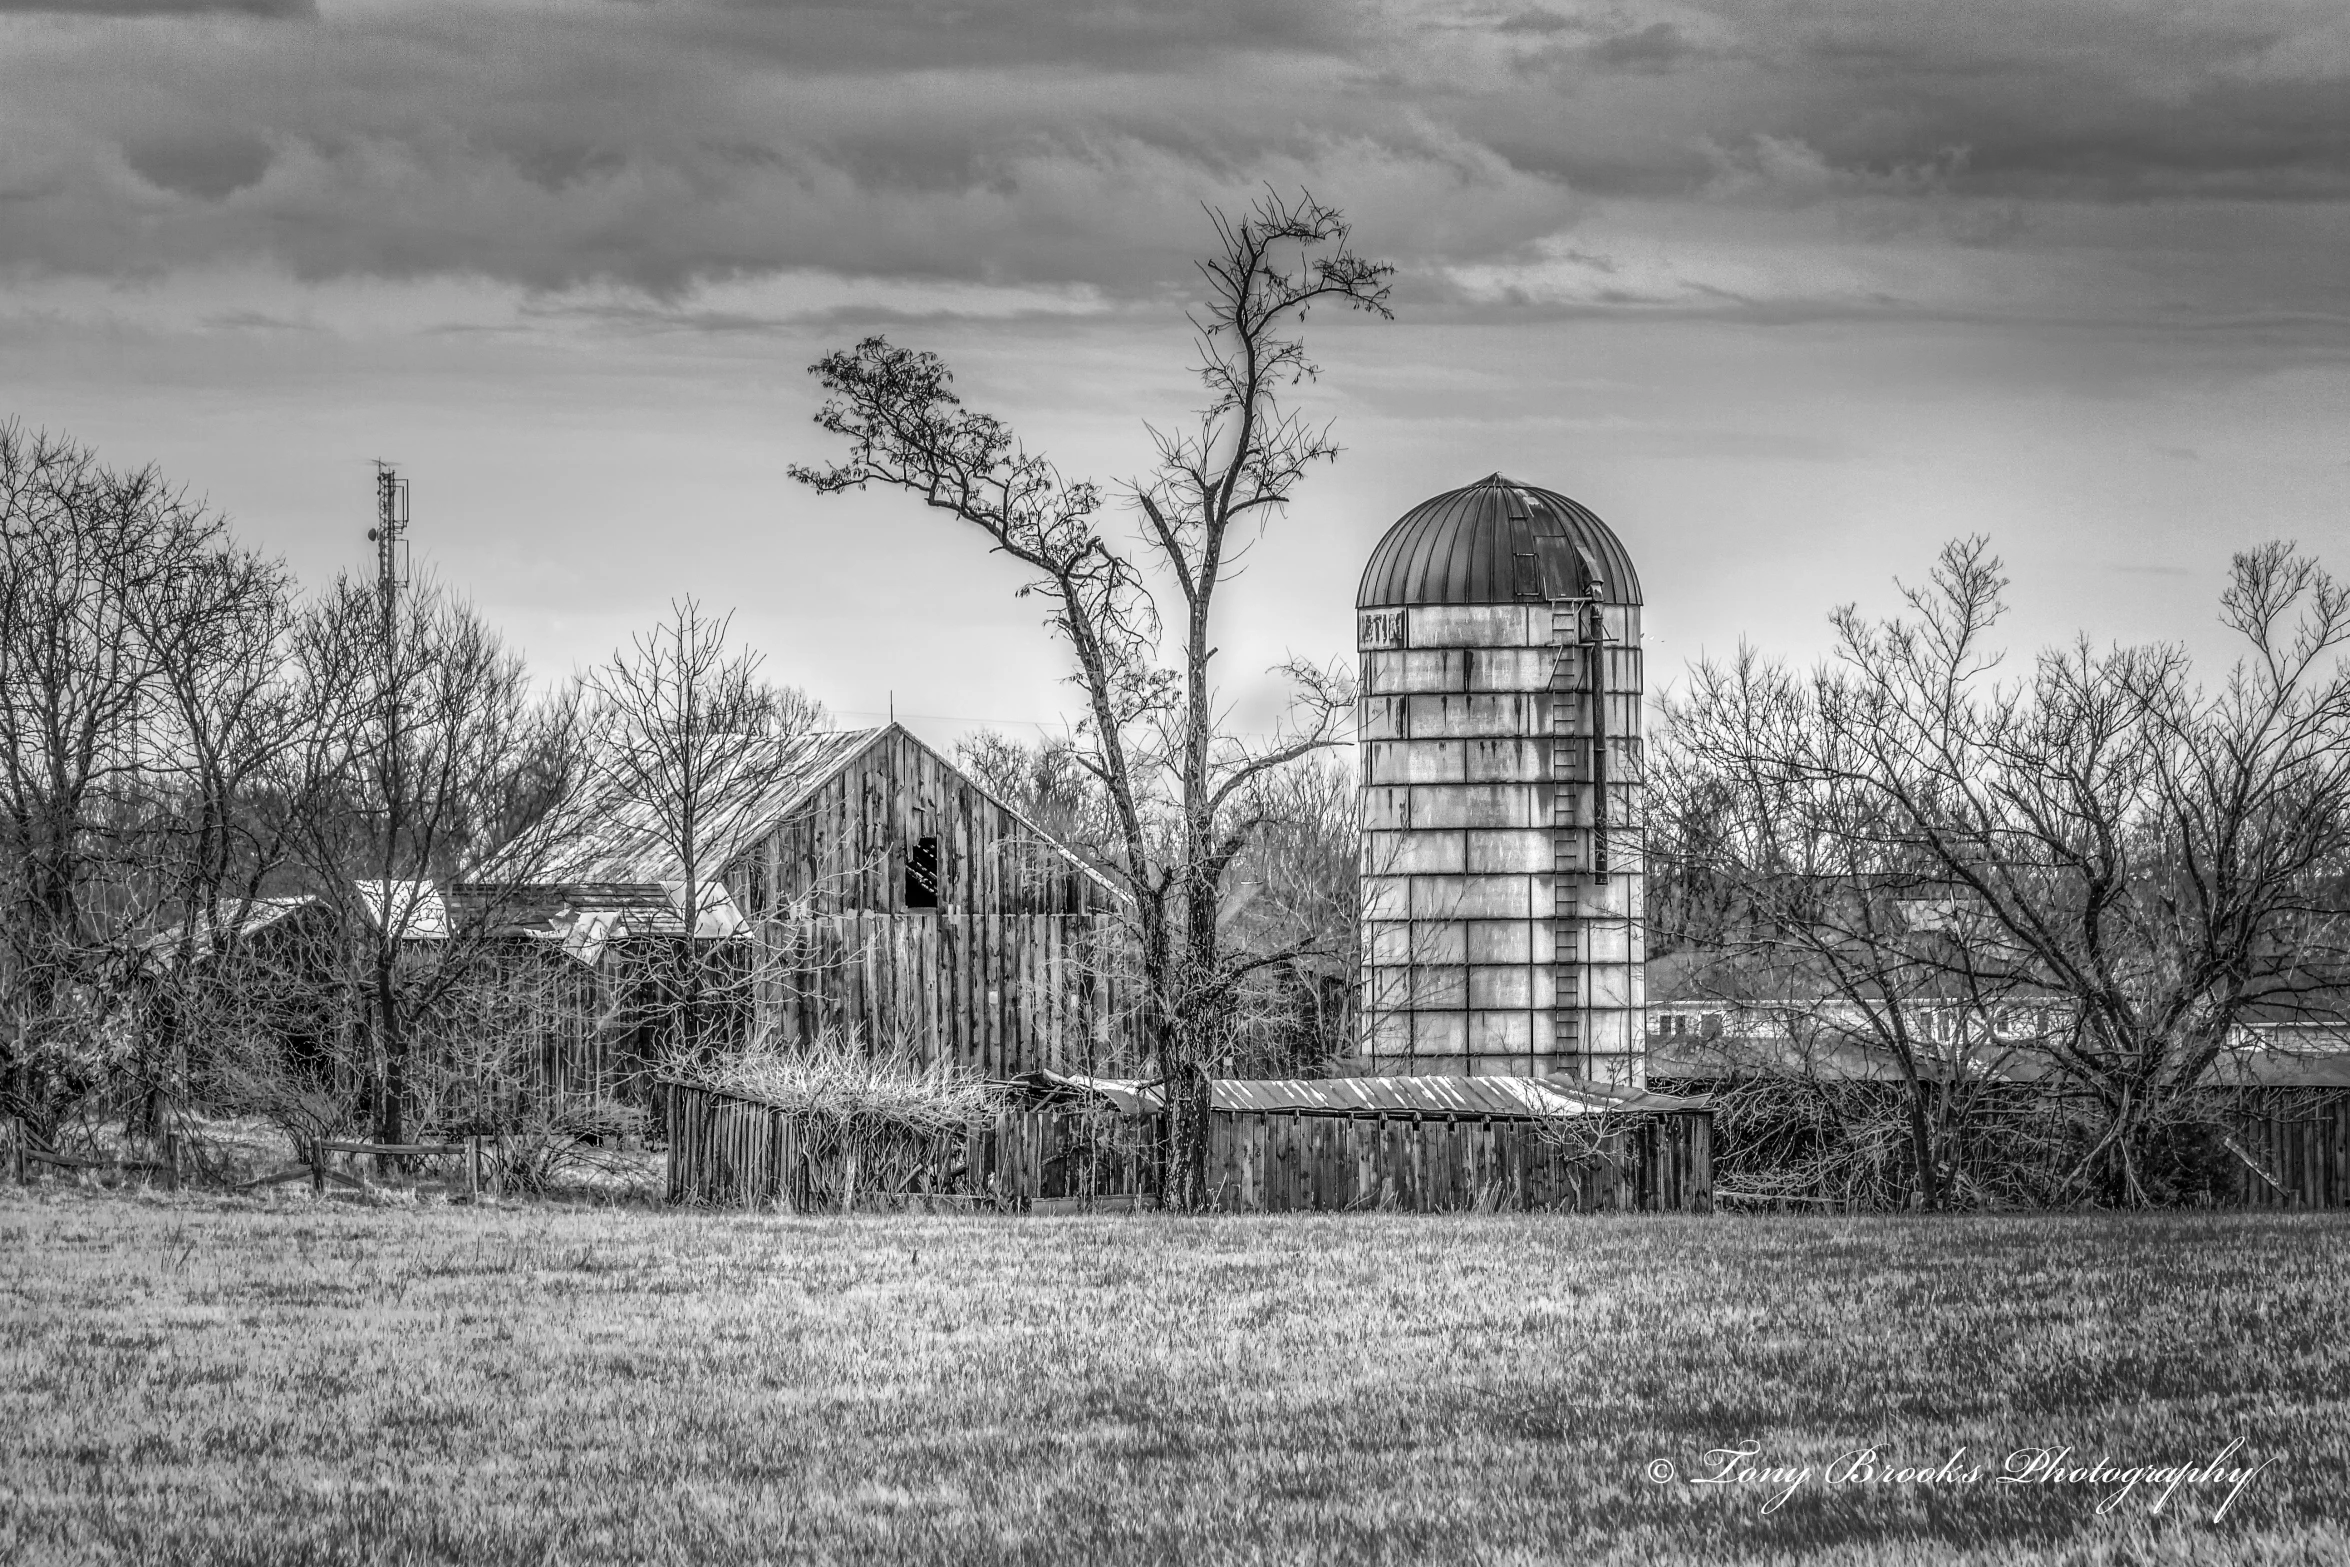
900, 906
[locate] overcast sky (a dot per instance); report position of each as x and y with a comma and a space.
1787, 292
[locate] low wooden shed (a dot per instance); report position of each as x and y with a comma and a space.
1435, 1144
1415, 1144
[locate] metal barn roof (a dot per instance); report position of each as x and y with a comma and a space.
1497, 542
613, 840
1126, 1095
610, 839
246, 920
1518, 1097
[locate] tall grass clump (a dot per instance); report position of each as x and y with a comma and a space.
880, 1123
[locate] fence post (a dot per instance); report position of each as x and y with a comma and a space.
318, 1166
12, 1134
171, 1161
473, 1169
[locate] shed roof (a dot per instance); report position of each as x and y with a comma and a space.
1516, 1097
244, 921
1126, 1095
2280, 1069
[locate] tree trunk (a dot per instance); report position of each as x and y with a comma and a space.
1187, 1136
392, 1122
1921, 1146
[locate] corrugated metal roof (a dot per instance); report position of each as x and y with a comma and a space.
586, 916
259, 915
1127, 1095
1518, 1097
1497, 542
615, 840
609, 838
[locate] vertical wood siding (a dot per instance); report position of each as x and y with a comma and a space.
1021, 965
996, 995
730, 1152
1281, 1161
2300, 1141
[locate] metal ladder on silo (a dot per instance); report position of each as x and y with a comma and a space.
1577, 758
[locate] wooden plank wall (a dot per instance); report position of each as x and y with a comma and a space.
1060, 1156
996, 995
730, 1152
1281, 1162
2299, 1138
572, 1060
844, 850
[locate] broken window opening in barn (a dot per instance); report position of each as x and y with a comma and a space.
922, 874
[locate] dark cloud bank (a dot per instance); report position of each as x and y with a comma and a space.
658, 145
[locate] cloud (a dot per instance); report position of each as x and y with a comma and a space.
122, 8
1657, 47
566, 144
1539, 22
206, 167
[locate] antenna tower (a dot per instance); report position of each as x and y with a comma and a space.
390, 534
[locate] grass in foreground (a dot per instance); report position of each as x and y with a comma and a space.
190, 1380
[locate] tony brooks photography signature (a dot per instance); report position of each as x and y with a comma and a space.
1742, 1470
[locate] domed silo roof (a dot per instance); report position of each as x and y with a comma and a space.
1497, 542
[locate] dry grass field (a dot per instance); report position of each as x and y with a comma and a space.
195, 1380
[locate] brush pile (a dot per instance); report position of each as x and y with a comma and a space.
851, 1126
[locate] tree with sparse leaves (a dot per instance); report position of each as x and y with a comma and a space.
1185, 796
688, 741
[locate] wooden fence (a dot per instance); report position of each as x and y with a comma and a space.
731, 1152
2291, 1147
22, 1159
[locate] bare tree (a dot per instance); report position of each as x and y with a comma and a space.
1825, 881
1049, 784
688, 745
229, 710
1178, 783
118, 597
2161, 861
447, 755
1293, 892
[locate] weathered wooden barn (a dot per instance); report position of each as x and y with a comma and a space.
873, 894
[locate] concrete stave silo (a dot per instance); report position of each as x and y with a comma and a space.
1499, 631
